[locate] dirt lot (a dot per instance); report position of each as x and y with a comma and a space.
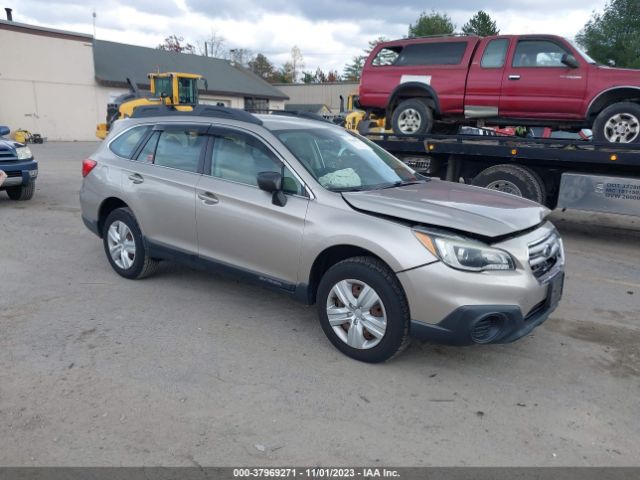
187, 368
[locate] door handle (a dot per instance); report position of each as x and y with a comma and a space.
514, 77
208, 198
136, 178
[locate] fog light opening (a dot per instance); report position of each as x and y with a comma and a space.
487, 328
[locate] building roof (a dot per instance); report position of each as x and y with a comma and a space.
44, 31
307, 107
115, 62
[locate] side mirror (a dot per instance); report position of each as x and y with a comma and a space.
611, 62
4, 130
570, 61
272, 182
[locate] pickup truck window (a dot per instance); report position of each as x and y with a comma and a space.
432, 53
538, 53
386, 56
495, 53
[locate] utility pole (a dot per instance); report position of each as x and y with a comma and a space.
94, 23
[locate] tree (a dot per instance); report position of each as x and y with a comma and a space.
433, 23
320, 76
614, 34
353, 70
213, 46
308, 77
261, 66
241, 56
481, 24
285, 73
174, 43
297, 62
333, 76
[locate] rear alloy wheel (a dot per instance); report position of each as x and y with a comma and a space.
363, 309
619, 123
125, 247
412, 117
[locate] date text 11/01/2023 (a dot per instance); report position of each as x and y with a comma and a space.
317, 472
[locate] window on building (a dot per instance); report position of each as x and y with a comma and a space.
256, 105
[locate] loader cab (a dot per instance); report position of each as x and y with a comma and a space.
175, 88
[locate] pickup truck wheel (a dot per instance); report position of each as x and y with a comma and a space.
363, 309
23, 192
618, 123
513, 179
125, 247
412, 117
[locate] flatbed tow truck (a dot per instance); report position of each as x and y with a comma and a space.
559, 173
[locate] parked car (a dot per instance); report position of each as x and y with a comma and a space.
434, 84
328, 217
16, 160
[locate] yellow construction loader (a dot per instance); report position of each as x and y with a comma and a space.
179, 90
357, 120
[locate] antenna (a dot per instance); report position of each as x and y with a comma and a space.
94, 22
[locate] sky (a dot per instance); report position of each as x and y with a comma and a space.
328, 32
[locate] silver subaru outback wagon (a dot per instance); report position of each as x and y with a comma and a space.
309, 209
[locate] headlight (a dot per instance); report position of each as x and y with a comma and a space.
463, 253
24, 153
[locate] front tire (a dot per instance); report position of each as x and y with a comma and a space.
618, 123
23, 192
412, 117
125, 246
363, 309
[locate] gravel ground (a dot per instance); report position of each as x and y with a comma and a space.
188, 368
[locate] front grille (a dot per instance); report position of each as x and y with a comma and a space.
14, 174
545, 254
7, 154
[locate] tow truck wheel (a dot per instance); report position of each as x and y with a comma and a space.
412, 117
618, 123
23, 192
513, 179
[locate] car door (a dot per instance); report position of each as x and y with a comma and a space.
536, 84
237, 223
160, 185
484, 83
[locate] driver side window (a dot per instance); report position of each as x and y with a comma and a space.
239, 157
538, 53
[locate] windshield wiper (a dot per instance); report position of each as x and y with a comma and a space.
403, 183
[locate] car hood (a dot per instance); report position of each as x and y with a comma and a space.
452, 205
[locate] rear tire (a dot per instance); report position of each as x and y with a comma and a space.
514, 179
618, 123
125, 247
412, 117
385, 304
23, 192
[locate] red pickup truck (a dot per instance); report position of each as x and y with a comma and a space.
435, 84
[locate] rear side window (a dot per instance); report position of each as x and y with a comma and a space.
386, 56
179, 147
495, 53
442, 53
125, 145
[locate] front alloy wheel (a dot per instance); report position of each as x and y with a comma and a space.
356, 314
363, 309
622, 128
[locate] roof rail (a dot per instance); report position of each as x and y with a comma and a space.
198, 111
298, 113
455, 34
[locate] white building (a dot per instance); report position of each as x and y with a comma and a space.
58, 83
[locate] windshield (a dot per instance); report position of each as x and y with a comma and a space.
341, 161
584, 54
